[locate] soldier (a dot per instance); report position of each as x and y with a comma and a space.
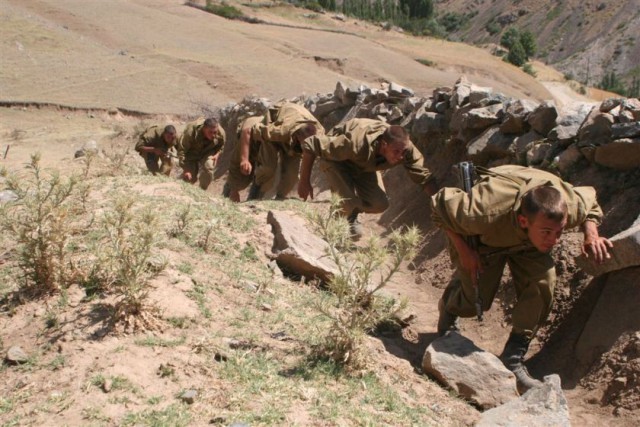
518, 215
352, 156
264, 142
155, 145
199, 148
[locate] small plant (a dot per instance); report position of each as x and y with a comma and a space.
224, 9
43, 219
127, 263
182, 222
528, 68
362, 272
426, 62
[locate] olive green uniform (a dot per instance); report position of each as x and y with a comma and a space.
271, 144
490, 212
349, 160
152, 137
195, 152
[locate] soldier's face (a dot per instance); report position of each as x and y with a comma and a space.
210, 132
169, 137
544, 233
393, 153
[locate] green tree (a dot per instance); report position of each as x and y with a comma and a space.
528, 42
517, 56
509, 37
612, 83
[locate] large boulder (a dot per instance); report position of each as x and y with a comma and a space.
515, 116
490, 145
523, 143
596, 129
621, 154
543, 118
298, 250
482, 118
567, 160
473, 373
624, 254
461, 92
541, 407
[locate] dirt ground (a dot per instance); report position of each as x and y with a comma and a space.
71, 73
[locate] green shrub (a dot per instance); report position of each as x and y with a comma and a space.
528, 68
492, 28
43, 219
357, 308
224, 9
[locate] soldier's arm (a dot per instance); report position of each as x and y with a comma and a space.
245, 142
421, 175
305, 189
182, 147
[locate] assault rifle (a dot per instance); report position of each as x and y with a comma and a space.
466, 179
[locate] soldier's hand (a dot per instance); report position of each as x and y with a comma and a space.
305, 189
470, 261
187, 176
597, 249
214, 159
245, 167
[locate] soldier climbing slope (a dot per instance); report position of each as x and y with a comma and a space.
154, 146
199, 148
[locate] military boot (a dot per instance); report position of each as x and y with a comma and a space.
226, 190
254, 192
446, 321
513, 358
354, 225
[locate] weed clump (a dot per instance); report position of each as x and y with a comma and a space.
44, 217
355, 308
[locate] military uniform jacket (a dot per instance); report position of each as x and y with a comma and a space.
356, 141
194, 147
152, 137
279, 124
491, 210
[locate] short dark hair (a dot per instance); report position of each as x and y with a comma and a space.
211, 122
545, 199
395, 135
169, 129
305, 131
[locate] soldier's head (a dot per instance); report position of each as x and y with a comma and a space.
169, 134
394, 143
307, 130
210, 128
543, 214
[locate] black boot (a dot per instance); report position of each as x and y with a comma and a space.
446, 321
226, 190
354, 225
254, 192
513, 358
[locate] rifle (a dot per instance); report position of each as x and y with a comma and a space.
466, 179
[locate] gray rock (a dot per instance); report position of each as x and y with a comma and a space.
322, 109
538, 153
441, 107
482, 118
492, 144
442, 94
609, 104
632, 105
397, 90
523, 143
540, 407
621, 154
564, 135
596, 129
543, 118
461, 92
573, 114
626, 116
16, 355
479, 94
7, 196
298, 249
427, 123
566, 160
515, 116
625, 130
189, 396
625, 253
473, 373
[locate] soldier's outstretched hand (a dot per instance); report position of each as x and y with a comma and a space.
597, 249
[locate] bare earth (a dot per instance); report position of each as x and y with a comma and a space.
76, 70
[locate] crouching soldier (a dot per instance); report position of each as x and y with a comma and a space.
155, 145
518, 215
199, 149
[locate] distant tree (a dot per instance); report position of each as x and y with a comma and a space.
634, 89
418, 8
517, 56
509, 37
528, 42
612, 83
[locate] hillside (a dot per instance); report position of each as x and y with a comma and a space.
583, 39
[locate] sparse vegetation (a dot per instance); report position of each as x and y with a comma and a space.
357, 308
224, 9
